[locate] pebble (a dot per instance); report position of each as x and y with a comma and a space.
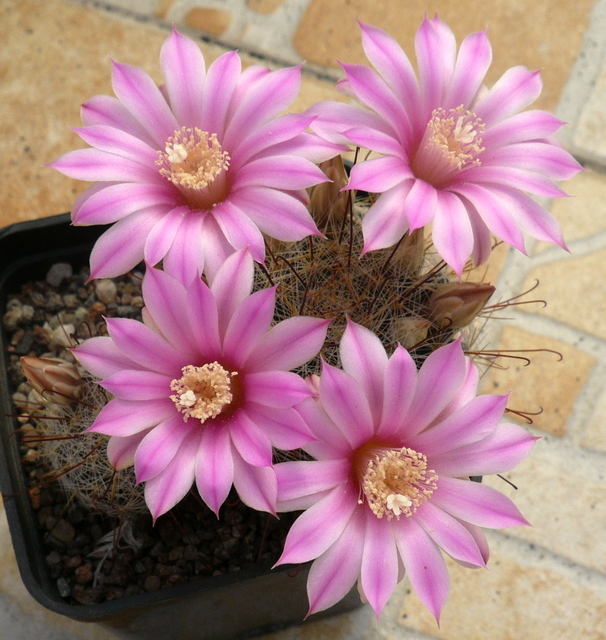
106, 290
62, 336
58, 273
63, 587
63, 531
152, 583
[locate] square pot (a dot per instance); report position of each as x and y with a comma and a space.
241, 604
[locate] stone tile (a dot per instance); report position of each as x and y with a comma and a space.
575, 290
214, 22
264, 6
546, 35
562, 493
544, 384
511, 601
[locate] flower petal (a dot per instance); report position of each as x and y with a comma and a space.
452, 233
385, 223
302, 478
277, 389
379, 174
250, 440
138, 385
214, 466
256, 486
128, 417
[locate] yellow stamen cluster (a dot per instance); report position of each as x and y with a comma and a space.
202, 392
192, 158
451, 144
397, 482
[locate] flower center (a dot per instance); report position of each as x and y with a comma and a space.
397, 482
451, 144
203, 392
194, 161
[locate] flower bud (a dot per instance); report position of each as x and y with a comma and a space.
455, 305
54, 379
410, 332
327, 202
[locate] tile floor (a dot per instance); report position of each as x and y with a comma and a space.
548, 581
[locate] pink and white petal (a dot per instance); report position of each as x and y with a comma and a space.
315, 530
246, 81
287, 172
435, 47
438, 380
473, 61
93, 165
334, 572
203, 320
516, 89
184, 259
379, 174
371, 90
164, 491
160, 445
215, 247
345, 402
116, 201
282, 129
102, 357
330, 441
285, 428
107, 110
184, 71
120, 248
363, 357
276, 213
214, 466
476, 503
424, 564
472, 422
528, 125
232, 285
276, 389
239, 230
128, 417
289, 344
221, 80
494, 213
166, 302
385, 223
333, 118
480, 539
121, 451
162, 234
118, 142
540, 157
497, 453
399, 382
420, 204
138, 385
308, 145
532, 217
257, 487
466, 392
140, 95
388, 58
515, 178
302, 478
375, 141
449, 534
379, 570
255, 110
145, 347
248, 438
451, 231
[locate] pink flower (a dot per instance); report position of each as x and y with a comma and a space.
196, 168
390, 485
202, 388
453, 152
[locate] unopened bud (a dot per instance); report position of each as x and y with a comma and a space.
410, 332
54, 379
411, 250
328, 203
456, 304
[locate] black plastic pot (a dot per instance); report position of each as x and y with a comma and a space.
242, 604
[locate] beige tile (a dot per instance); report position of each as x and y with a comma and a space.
575, 290
541, 35
595, 435
589, 137
264, 6
511, 601
211, 21
546, 384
